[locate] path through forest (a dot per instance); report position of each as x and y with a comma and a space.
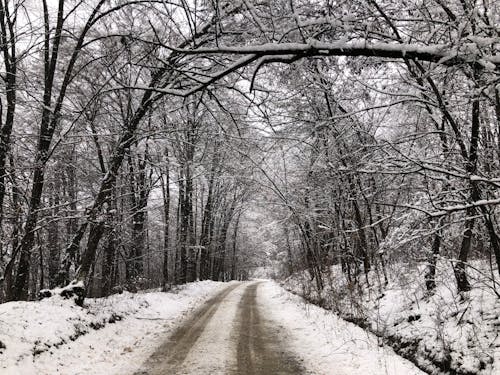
228, 335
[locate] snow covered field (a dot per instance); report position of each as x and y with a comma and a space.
111, 335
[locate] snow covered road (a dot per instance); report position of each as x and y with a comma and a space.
258, 328
225, 336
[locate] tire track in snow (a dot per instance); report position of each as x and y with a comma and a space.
170, 356
259, 349
227, 335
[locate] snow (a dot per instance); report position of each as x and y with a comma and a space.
111, 335
215, 350
117, 334
327, 344
440, 53
445, 329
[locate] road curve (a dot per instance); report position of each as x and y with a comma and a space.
228, 335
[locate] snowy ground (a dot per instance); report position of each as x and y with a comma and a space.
445, 330
111, 335
55, 337
327, 344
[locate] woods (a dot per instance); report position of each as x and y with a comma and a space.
142, 140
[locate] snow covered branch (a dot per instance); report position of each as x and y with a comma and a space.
439, 53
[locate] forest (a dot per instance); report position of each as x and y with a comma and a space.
148, 143
326, 155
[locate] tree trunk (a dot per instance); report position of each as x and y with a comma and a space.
206, 228
233, 258
8, 50
189, 227
363, 245
165, 188
139, 195
108, 264
430, 274
289, 251
109, 259
460, 267
182, 232
53, 245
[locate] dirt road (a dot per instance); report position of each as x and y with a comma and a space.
228, 335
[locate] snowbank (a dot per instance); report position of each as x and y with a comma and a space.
112, 335
443, 332
327, 344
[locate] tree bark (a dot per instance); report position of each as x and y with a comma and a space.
53, 234
165, 187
